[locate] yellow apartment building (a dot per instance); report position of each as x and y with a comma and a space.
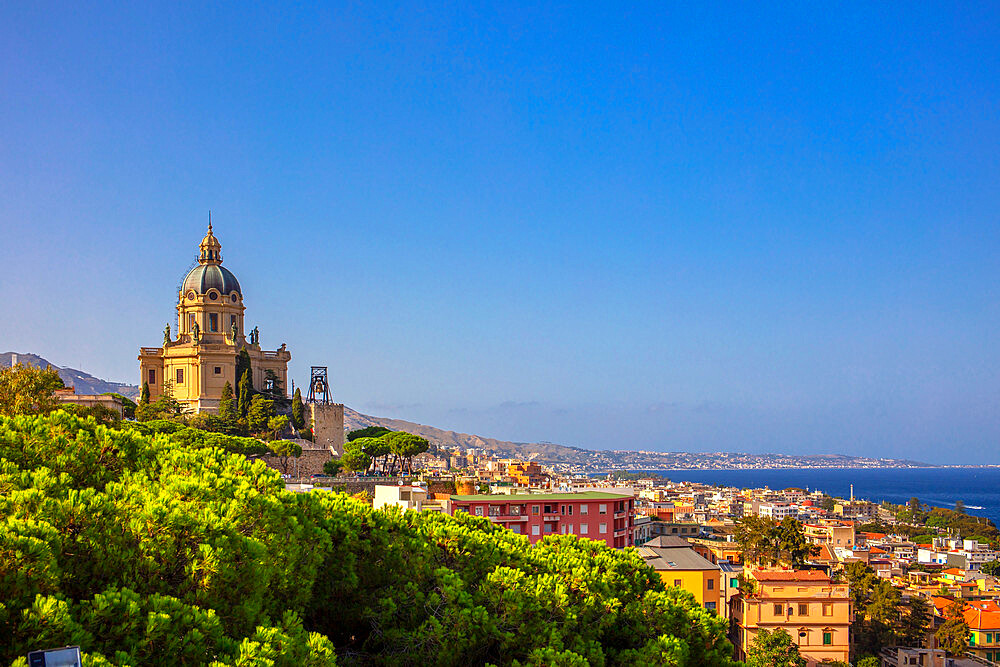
678, 565
815, 612
831, 533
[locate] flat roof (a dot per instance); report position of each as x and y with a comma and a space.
531, 497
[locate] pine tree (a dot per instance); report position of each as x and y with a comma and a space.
144, 396
227, 407
246, 393
298, 413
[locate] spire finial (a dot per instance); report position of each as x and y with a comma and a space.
209, 221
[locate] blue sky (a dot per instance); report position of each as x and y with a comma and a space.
643, 226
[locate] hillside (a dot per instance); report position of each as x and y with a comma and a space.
84, 383
545, 452
570, 459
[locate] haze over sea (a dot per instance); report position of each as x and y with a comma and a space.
941, 487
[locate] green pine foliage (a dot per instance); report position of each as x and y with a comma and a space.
148, 545
245, 389
298, 411
227, 404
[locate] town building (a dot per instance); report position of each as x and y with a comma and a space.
69, 396
815, 612
900, 656
678, 565
984, 629
201, 358
403, 496
605, 517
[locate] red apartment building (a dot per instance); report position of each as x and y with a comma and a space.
605, 517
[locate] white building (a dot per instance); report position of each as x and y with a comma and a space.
403, 496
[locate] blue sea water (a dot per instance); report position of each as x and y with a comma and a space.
940, 487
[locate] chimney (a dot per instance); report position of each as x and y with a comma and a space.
13, 359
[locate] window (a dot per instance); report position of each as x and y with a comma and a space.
232, 320
191, 321
479, 511
779, 610
569, 529
827, 638
710, 585
151, 376
180, 376
584, 529
569, 510
803, 609
534, 510
603, 528
710, 606
602, 508
827, 609
213, 321
989, 637
562, 529
583, 508
674, 530
534, 530
734, 582
218, 370
677, 583
548, 528
214, 296
516, 528
548, 509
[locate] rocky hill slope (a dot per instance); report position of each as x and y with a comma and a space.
84, 383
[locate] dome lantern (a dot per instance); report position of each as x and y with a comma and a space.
211, 249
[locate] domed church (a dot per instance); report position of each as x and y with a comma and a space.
210, 332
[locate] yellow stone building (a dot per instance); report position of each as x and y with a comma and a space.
815, 612
210, 332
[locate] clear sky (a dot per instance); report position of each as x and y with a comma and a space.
645, 225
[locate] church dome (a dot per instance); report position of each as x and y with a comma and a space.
204, 277
210, 274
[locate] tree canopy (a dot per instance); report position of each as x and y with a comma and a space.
25, 390
774, 649
148, 545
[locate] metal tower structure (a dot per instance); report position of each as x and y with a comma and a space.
319, 387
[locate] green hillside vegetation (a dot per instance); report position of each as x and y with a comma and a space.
153, 544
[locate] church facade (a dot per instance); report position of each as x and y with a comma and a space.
197, 363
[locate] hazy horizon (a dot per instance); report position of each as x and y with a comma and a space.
704, 228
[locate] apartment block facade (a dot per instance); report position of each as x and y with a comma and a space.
815, 612
605, 517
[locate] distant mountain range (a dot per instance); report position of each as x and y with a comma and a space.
577, 459
83, 383
571, 459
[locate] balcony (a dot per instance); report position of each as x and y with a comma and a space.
150, 350
508, 517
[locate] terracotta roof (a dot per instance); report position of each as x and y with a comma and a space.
953, 570
982, 620
824, 553
876, 550
789, 575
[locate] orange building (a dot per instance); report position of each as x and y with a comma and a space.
525, 473
815, 612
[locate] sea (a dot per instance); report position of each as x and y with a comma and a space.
978, 488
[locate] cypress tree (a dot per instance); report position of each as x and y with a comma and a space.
298, 415
246, 393
144, 396
227, 408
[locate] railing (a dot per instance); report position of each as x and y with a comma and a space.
509, 517
150, 350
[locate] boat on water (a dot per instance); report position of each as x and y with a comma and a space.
974, 507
